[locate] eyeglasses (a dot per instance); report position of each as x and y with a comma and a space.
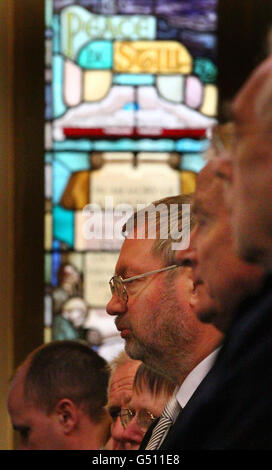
144, 417
222, 137
117, 284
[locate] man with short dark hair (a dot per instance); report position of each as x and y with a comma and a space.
57, 398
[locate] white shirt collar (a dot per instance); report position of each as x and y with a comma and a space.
194, 378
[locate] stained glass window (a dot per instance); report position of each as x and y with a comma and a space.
130, 91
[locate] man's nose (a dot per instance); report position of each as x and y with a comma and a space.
133, 435
117, 432
116, 306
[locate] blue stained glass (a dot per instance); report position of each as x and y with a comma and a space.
131, 106
134, 79
129, 145
48, 102
195, 14
48, 157
58, 105
72, 144
48, 33
56, 262
61, 175
191, 145
99, 6
73, 161
165, 31
114, 146
63, 225
161, 145
56, 34
200, 44
56, 245
206, 70
192, 162
135, 6
96, 55
58, 4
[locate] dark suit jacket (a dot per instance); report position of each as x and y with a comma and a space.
232, 407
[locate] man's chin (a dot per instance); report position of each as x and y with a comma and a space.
134, 350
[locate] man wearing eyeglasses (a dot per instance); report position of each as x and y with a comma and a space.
123, 370
154, 302
150, 392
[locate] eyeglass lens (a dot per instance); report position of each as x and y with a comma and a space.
118, 287
144, 418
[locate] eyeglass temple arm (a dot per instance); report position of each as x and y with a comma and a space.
130, 279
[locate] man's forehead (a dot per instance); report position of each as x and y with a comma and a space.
17, 405
134, 256
121, 389
209, 191
123, 376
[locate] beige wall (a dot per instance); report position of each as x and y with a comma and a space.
21, 190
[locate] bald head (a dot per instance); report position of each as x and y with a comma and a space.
252, 168
253, 101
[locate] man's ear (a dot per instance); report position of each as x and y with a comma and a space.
67, 414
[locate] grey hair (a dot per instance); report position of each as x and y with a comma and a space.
119, 360
163, 218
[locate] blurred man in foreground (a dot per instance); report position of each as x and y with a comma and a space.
245, 166
251, 155
225, 412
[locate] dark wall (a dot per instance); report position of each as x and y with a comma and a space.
28, 131
242, 43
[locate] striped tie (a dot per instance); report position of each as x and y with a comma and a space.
168, 417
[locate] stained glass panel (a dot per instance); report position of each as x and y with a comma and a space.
130, 89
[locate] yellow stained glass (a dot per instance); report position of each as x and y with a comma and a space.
97, 84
